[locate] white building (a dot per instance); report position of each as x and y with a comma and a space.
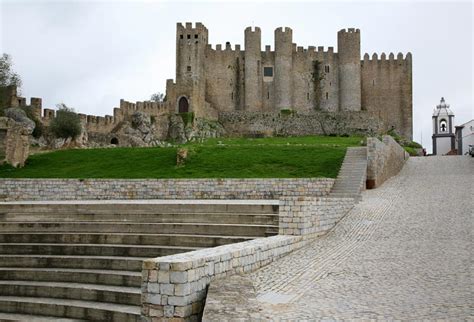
464, 137
443, 129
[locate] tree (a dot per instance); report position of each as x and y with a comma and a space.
66, 123
158, 97
7, 75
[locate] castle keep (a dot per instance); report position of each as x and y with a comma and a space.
304, 80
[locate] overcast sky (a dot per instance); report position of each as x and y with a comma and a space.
91, 54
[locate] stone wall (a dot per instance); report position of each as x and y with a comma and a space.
175, 286
104, 189
302, 216
384, 160
315, 123
387, 91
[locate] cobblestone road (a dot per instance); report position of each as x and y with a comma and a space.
404, 252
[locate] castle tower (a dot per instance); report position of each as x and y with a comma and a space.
443, 134
348, 47
190, 73
253, 69
283, 68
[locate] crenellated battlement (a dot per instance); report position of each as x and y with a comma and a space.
287, 30
199, 27
383, 58
349, 31
252, 29
227, 48
104, 123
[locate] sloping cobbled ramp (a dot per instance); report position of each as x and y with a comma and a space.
404, 252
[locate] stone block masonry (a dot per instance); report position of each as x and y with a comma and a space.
384, 160
306, 216
125, 189
174, 287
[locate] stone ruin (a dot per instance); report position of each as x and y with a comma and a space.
15, 130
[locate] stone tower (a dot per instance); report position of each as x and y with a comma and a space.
253, 77
443, 134
190, 73
283, 68
348, 47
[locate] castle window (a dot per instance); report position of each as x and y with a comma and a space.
196, 42
326, 69
268, 71
189, 36
327, 95
232, 96
307, 96
188, 68
268, 95
330, 83
196, 36
181, 36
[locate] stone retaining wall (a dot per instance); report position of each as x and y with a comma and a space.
311, 216
245, 123
384, 160
106, 189
175, 286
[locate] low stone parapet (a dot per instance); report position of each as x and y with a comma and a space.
176, 286
384, 160
311, 216
125, 189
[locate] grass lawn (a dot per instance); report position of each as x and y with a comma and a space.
312, 156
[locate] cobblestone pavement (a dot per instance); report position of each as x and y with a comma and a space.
404, 252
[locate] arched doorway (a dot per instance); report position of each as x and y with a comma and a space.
183, 105
114, 141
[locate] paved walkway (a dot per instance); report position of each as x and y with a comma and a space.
404, 252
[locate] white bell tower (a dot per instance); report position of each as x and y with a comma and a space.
443, 129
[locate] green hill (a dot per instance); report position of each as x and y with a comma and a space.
315, 156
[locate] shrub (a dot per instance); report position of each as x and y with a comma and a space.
188, 117
411, 151
287, 112
66, 123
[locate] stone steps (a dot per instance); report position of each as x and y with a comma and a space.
128, 227
180, 240
72, 291
93, 249
76, 309
351, 178
33, 318
64, 261
72, 275
221, 218
84, 260
140, 207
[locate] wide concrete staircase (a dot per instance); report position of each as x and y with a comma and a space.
352, 175
83, 260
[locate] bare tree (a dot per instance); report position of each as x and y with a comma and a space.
158, 97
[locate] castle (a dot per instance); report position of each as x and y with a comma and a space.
209, 81
247, 91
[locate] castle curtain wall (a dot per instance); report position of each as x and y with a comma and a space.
387, 91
